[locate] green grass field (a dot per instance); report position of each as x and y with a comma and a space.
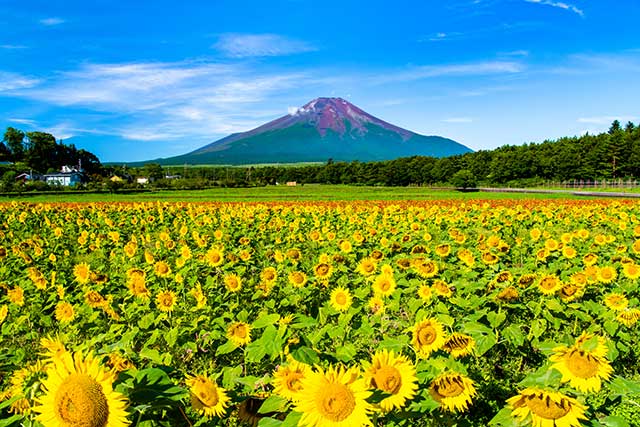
283, 193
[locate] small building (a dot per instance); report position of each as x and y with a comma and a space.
142, 180
67, 177
115, 178
28, 176
292, 184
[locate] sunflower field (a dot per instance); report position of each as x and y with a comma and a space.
430, 313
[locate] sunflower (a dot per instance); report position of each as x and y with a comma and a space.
569, 252
166, 300
425, 293
54, 348
547, 408
549, 284
3, 313
269, 275
94, 299
569, 292
232, 282
366, 266
297, 279
287, 379
239, 333
394, 375
443, 250
582, 369
206, 397
508, 294
425, 268
453, 391
590, 259
214, 257
82, 273
628, 317
79, 392
340, 299
489, 258
162, 269
616, 301
384, 285
376, 305
441, 288
323, 271
65, 312
631, 270
428, 336
136, 279
459, 345
16, 296
607, 274
334, 398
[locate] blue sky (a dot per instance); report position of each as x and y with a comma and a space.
141, 80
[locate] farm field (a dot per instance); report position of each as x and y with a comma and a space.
284, 193
439, 311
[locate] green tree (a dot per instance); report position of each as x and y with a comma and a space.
153, 171
40, 153
14, 140
464, 178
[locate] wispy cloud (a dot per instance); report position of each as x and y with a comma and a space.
165, 101
27, 122
515, 53
451, 70
458, 120
12, 46
51, 22
558, 4
250, 45
13, 81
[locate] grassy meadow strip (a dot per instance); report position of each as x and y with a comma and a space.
323, 314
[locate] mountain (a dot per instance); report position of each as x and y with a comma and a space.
322, 129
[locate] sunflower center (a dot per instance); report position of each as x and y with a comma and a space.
385, 285
80, 402
207, 394
582, 364
293, 381
427, 335
546, 408
449, 387
387, 379
336, 402
341, 298
240, 331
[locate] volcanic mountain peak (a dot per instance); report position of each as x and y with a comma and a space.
340, 116
322, 128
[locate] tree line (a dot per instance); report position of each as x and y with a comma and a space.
609, 155
614, 154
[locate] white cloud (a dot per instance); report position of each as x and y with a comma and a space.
13, 81
12, 46
51, 22
558, 4
458, 120
164, 101
249, 45
27, 122
521, 53
451, 70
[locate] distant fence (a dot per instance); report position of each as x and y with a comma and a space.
584, 184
